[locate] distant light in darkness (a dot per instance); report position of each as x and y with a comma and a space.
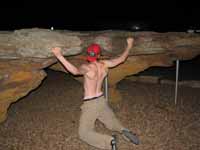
135, 27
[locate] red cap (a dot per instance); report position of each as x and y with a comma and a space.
92, 52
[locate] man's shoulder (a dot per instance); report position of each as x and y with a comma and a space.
84, 66
87, 67
103, 63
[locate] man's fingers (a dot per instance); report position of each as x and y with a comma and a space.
130, 40
56, 50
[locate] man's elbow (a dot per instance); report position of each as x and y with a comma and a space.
75, 73
123, 59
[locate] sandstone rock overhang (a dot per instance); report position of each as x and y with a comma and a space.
25, 53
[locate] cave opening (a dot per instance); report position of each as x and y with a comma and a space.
188, 70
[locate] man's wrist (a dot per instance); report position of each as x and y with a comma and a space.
129, 47
59, 55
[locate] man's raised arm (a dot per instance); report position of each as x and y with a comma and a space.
116, 61
70, 67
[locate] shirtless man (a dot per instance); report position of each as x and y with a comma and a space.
94, 104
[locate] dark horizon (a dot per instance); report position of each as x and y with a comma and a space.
161, 18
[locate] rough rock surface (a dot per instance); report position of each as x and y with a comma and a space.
25, 53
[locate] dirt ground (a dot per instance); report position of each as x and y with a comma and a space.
48, 118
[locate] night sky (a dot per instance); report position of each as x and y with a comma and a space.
101, 15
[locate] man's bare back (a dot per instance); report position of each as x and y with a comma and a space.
93, 79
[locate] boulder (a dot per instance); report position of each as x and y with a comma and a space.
25, 53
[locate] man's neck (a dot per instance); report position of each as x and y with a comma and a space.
94, 62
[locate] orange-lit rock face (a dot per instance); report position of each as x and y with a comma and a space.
15, 83
25, 53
